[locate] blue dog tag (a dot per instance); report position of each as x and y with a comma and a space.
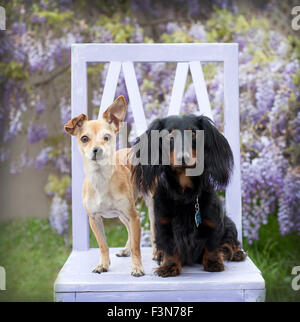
198, 218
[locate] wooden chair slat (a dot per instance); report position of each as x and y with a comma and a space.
233, 200
80, 226
134, 97
110, 86
200, 89
178, 88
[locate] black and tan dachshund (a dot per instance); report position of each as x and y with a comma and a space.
190, 224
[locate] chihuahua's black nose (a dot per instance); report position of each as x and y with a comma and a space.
97, 150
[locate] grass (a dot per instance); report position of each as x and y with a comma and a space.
32, 254
275, 255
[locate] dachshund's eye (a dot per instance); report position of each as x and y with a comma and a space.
84, 139
107, 137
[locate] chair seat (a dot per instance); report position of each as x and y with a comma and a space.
241, 281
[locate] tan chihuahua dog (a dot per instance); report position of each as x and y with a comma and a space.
107, 188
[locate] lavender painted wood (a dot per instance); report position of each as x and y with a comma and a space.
200, 89
178, 88
153, 52
76, 277
233, 200
65, 297
134, 97
108, 96
80, 226
240, 281
162, 296
110, 86
199, 86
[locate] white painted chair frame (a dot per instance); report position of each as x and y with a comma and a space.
241, 281
187, 56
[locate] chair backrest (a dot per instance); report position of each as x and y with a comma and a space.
187, 56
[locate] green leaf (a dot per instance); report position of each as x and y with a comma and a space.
57, 185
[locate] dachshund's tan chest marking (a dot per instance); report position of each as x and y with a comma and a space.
184, 181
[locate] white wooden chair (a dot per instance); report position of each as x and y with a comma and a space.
240, 281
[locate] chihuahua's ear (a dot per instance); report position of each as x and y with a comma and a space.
73, 125
116, 112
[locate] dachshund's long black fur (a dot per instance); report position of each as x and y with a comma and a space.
179, 241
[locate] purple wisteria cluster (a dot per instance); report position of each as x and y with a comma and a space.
36, 133
289, 202
269, 99
59, 215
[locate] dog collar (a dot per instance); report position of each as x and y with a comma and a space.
198, 218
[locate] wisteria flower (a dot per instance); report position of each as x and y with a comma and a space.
36, 133
59, 215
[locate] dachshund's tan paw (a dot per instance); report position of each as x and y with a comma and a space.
239, 255
214, 267
168, 270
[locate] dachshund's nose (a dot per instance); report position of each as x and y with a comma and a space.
183, 158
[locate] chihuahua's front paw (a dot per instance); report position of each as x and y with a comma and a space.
137, 271
101, 268
123, 253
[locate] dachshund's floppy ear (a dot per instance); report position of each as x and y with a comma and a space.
218, 157
73, 125
116, 112
145, 175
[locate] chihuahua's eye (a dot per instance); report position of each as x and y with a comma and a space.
107, 137
84, 139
